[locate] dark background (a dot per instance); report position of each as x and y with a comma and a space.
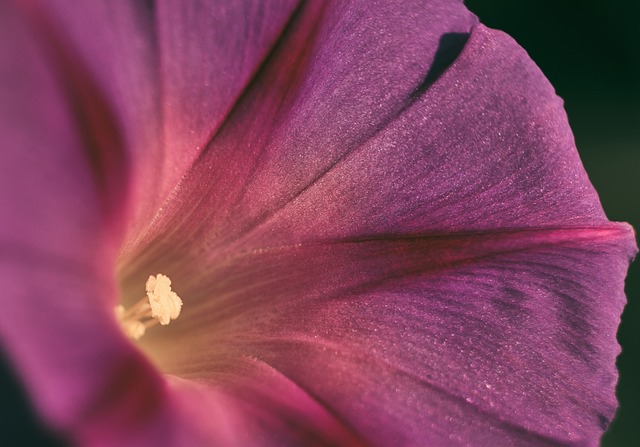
590, 50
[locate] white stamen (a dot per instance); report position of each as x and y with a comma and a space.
165, 304
161, 305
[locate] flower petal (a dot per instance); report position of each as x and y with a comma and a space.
57, 238
170, 73
485, 146
503, 338
209, 52
338, 75
317, 250
247, 403
109, 46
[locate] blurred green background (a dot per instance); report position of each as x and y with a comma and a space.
590, 51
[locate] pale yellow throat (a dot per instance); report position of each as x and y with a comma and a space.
161, 305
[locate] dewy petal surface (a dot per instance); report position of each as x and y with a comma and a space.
379, 239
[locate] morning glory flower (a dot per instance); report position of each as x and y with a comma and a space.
249, 223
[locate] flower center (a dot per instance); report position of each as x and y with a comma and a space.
161, 305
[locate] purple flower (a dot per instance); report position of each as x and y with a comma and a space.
374, 215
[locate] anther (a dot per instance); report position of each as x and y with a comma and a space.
161, 305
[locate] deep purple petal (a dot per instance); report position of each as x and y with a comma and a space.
338, 76
317, 251
503, 338
209, 52
487, 145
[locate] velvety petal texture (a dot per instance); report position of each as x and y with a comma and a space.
169, 72
57, 239
374, 213
478, 339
